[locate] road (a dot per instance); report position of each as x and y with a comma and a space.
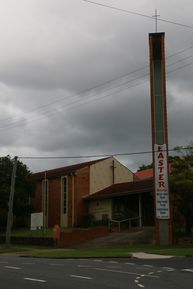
32, 273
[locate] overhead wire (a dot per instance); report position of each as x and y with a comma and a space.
123, 86
101, 85
110, 81
83, 92
74, 104
138, 14
35, 110
100, 155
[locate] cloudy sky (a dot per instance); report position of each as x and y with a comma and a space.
74, 78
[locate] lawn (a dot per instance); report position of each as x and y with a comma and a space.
121, 251
117, 251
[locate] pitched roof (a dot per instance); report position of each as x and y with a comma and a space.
147, 173
64, 170
123, 189
144, 174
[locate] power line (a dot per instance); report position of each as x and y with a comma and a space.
101, 85
97, 86
83, 92
179, 52
122, 87
181, 67
75, 104
138, 14
98, 155
180, 60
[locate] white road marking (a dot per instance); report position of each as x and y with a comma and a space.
148, 266
35, 280
98, 260
56, 264
132, 264
11, 267
3, 262
84, 266
81, 277
168, 268
150, 273
113, 267
188, 270
116, 271
113, 262
124, 272
137, 280
140, 285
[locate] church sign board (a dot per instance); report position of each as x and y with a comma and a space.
161, 182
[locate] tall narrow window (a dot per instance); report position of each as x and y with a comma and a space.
45, 197
45, 201
64, 191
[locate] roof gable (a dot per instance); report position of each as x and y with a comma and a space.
65, 170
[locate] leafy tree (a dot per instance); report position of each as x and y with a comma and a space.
24, 190
143, 167
181, 187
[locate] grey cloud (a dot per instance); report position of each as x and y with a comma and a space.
53, 50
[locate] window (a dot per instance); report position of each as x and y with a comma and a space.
64, 192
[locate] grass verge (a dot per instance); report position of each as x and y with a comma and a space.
102, 251
116, 251
121, 251
21, 249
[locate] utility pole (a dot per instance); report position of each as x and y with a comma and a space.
10, 204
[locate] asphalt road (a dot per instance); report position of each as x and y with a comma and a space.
27, 273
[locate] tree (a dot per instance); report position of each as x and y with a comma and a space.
143, 167
24, 190
181, 187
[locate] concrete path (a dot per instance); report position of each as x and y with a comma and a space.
142, 255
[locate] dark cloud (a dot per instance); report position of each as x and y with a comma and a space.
54, 52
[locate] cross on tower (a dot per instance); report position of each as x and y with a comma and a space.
156, 17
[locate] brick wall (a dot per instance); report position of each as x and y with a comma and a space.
81, 188
54, 202
37, 200
70, 239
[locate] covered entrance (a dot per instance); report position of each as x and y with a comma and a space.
136, 207
132, 202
